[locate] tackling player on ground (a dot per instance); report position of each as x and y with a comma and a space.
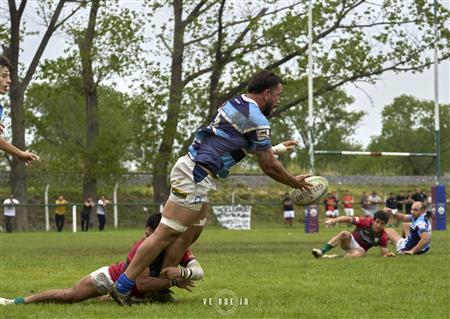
99, 282
369, 232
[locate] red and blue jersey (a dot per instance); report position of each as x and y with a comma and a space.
365, 235
115, 270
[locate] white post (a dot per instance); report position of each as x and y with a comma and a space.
116, 213
310, 90
74, 218
437, 134
47, 214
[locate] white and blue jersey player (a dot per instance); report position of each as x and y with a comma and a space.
5, 81
239, 127
417, 229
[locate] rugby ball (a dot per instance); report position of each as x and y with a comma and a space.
312, 195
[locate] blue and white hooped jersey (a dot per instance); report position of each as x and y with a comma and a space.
418, 226
238, 127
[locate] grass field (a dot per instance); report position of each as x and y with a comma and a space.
270, 268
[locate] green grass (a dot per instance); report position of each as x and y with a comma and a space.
271, 267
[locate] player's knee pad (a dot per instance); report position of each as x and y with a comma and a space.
174, 224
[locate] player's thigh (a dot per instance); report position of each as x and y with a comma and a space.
181, 214
176, 250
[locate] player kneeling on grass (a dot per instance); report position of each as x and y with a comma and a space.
369, 232
147, 286
417, 230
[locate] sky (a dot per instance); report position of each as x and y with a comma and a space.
369, 98
391, 85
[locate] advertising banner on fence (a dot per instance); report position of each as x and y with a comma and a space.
233, 216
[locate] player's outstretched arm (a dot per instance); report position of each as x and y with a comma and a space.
340, 219
399, 216
26, 156
274, 169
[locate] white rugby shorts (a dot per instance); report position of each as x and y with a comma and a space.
289, 214
348, 211
400, 245
102, 280
354, 245
331, 213
184, 191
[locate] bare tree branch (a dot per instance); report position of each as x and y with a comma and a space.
352, 26
21, 8
244, 33
68, 17
330, 87
195, 12
238, 88
212, 34
37, 56
166, 44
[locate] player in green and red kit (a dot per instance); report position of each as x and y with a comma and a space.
369, 232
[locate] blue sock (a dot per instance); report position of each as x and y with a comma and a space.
124, 284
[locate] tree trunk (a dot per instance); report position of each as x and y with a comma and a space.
160, 164
90, 179
85, 45
18, 175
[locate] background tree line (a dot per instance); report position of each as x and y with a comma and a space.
134, 81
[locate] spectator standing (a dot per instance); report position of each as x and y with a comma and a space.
101, 212
10, 212
336, 204
86, 213
400, 202
365, 204
374, 200
60, 212
419, 196
329, 203
408, 203
392, 204
348, 203
288, 210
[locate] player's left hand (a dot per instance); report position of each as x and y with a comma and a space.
170, 273
407, 252
330, 221
390, 254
